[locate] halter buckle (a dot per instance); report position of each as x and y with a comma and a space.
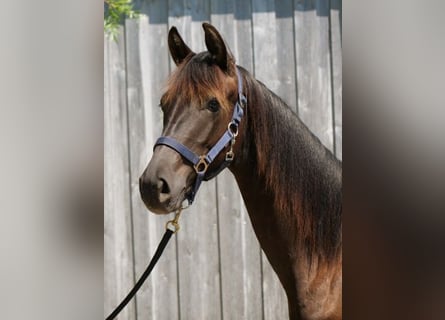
230, 155
202, 165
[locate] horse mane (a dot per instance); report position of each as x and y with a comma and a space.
304, 176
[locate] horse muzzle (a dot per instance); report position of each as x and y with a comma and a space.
165, 181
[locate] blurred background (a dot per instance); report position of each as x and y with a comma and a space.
51, 163
52, 157
394, 151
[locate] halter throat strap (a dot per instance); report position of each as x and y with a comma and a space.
201, 162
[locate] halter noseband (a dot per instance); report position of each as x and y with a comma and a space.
201, 163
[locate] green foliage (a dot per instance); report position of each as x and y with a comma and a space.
115, 11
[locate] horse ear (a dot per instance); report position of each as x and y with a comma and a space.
178, 49
216, 46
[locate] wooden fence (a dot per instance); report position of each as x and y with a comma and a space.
214, 268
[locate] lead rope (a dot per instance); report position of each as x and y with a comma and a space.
164, 241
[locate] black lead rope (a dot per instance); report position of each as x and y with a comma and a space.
164, 241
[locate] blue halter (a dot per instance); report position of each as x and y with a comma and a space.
201, 163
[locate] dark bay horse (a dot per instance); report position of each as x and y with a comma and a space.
291, 184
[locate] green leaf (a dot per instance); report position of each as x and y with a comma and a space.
115, 12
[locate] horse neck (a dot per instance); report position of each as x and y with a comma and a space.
301, 177
279, 164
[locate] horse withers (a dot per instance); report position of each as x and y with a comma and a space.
291, 184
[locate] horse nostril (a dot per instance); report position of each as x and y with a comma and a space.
164, 186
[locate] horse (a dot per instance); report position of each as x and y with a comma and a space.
290, 183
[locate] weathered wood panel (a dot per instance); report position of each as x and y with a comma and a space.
214, 269
285, 50
336, 65
313, 67
118, 238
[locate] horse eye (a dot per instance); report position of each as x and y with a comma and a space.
213, 105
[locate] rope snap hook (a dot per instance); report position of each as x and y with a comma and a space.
175, 222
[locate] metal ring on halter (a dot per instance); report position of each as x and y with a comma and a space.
242, 100
233, 128
202, 165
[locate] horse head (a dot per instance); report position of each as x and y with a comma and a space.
198, 108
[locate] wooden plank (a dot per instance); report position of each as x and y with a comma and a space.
285, 72
337, 87
313, 67
264, 41
243, 47
240, 254
199, 275
147, 64
266, 63
118, 253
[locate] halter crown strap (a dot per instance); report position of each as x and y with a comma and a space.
201, 163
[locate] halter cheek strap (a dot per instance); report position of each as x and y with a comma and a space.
202, 162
